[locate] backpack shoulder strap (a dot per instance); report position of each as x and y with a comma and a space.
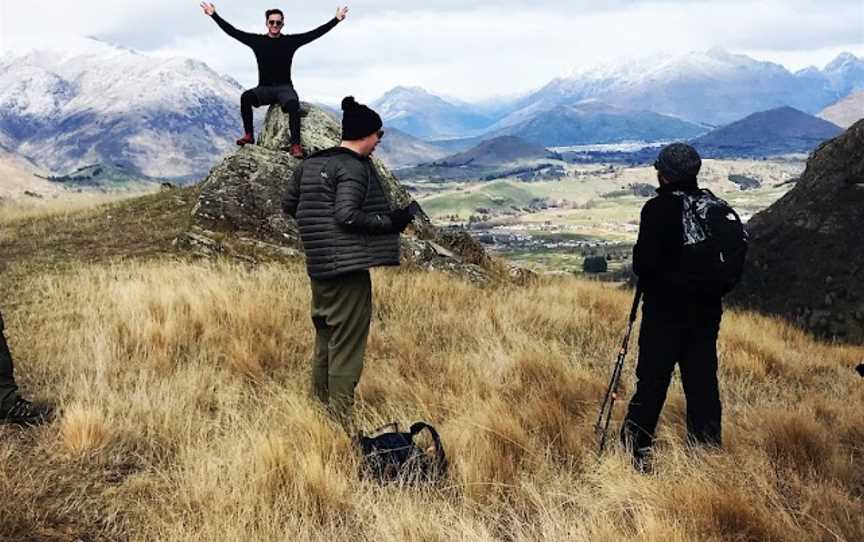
440, 456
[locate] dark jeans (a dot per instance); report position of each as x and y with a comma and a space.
8, 389
284, 95
693, 346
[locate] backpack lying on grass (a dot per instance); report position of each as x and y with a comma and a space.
394, 456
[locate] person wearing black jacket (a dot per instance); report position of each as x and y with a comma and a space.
347, 227
14, 409
274, 52
680, 321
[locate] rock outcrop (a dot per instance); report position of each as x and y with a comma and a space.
239, 213
806, 261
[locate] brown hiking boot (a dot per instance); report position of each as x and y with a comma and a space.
296, 151
247, 139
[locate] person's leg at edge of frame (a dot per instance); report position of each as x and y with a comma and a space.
659, 350
701, 389
351, 320
8, 388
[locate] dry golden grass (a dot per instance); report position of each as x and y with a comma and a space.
59, 205
186, 416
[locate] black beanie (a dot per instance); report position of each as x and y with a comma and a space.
679, 162
358, 121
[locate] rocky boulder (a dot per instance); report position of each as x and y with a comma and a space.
239, 207
805, 260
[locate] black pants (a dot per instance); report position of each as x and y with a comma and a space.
8, 389
284, 95
693, 346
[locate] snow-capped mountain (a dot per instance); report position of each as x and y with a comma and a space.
421, 114
91, 102
845, 74
713, 87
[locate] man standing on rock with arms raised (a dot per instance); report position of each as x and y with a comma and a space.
274, 52
346, 226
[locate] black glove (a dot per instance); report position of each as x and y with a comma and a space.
400, 219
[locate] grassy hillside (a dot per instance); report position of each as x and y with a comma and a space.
185, 413
498, 195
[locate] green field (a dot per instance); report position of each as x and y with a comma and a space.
498, 195
592, 201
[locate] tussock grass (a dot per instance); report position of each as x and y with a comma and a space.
65, 205
186, 416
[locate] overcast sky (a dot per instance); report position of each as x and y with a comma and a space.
470, 50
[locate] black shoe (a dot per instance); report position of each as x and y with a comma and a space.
641, 461
23, 412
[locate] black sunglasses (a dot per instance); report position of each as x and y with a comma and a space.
275, 23
380, 134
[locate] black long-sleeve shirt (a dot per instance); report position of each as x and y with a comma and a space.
668, 294
275, 55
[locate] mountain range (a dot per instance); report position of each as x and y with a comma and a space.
714, 87
91, 102
650, 99
73, 105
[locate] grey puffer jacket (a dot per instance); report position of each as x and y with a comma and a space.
341, 210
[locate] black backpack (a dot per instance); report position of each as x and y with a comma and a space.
715, 242
394, 456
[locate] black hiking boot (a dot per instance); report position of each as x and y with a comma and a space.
23, 412
641, 461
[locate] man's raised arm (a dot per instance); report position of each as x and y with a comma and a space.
312, 35
243, 37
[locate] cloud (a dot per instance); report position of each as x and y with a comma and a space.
472, 50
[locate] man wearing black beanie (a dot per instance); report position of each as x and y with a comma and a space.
682, 301
347, 227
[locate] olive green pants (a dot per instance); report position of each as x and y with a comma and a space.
341, 313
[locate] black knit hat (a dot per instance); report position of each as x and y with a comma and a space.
358, 121
679, 162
